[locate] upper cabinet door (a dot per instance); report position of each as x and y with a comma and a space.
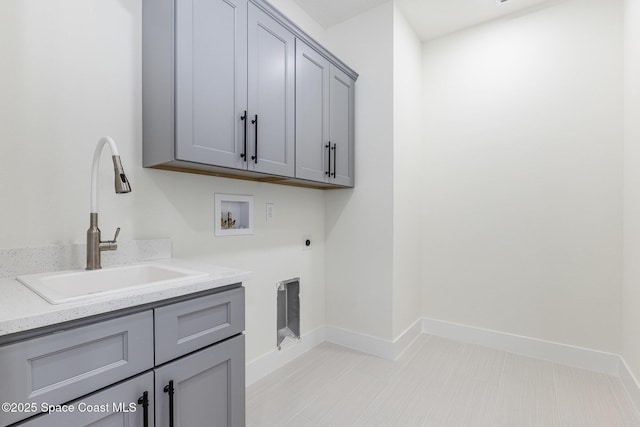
312, 114
342, 127
211, 80
271, 86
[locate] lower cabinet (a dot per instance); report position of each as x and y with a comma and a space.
178, 364
205, 388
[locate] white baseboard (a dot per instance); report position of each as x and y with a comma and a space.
275, 359
376, 346
406, 338
540, 349
361, 342
630, 382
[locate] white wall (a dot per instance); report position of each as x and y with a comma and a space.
71, 72
519, 171
295, 13
631, 289
407, 174
359, 222
523, 182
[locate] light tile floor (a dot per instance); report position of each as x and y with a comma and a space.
436, 383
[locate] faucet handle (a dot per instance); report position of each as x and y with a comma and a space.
110, 245
115, 238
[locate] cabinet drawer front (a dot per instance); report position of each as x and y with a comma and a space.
184, 327
63, 366
114, 406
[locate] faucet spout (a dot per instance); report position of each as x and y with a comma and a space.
121, 182
94, 245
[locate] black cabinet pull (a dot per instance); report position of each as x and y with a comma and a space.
335, 159
328, 147
169, 389
255, 156
244, 119
144, 401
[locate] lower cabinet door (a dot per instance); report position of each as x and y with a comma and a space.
205, 388
121, 405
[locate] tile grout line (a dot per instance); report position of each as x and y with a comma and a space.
500, 385
555, 391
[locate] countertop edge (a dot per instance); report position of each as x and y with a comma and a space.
21, 310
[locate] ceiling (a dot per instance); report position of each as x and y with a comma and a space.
429, 18
331, 12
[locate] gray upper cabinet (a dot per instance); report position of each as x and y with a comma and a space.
271, 95
235, 67
324, 119
220, 91
341, 123
210, 80
312, 114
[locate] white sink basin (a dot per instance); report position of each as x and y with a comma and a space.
76, 285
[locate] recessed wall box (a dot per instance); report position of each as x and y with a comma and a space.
288, 327
233, 215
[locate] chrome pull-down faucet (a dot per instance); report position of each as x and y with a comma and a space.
94, 245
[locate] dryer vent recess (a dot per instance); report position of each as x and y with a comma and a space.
288, 326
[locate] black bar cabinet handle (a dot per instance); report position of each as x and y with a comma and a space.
169, 389
144, 401
328, 147
255, 156
335, 159
244, 119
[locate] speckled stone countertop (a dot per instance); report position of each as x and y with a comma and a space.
21, 309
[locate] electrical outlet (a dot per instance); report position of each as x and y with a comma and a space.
306, 243
270, 211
